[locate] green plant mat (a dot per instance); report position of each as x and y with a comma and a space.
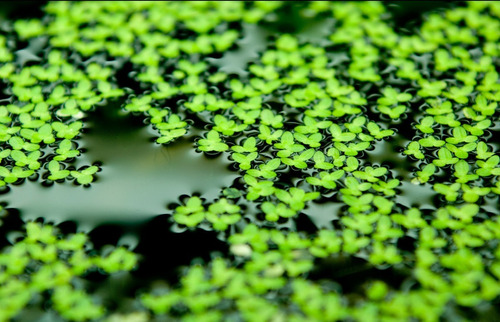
318, 161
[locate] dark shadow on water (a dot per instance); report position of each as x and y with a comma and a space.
351, 273
13, 10
408, 15
165, 252
162, 257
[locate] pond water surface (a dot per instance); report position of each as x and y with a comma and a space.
139, 178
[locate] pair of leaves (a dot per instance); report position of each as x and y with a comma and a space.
227, 127
299, 160
139, 104
30, 160
287, 145
266, 170
84, 176
69, 131
220, 213
11, 176
327, 180
488, 167
66, 151
295, 198
213, 143
172, 129
392, 97
352, 149
191, 214
392, 112
258, 188
223, 214
370, 174
43, 134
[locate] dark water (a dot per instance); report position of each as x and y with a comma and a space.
138, 180
410, 14
235, 62
322, 214
12, 10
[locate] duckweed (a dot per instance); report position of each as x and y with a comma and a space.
297, 125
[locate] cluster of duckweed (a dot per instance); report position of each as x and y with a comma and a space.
299, 125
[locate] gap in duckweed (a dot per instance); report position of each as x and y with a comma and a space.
410, 15
416, 195
163, 257
257, 37
351, 274
386, 153
235, 62
137, 181
322, 214
11, 10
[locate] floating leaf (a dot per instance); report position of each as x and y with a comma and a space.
212, 143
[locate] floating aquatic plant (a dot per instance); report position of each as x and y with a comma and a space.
302, 125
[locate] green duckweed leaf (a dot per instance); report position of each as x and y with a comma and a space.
257, 188
85, 175
370, 174
13, 175
56, 173
244, 161
411, 219
392, 112
449, 191
352, 149
314, 140
339, 136
354, 187
431, 141
212, 143
392, 97
266, 170
266, 135
444, 158
139, 104
66, 151
191, 214
275, 212
75, 304
287, 145
18, 143
30, 160
320, 163
386, 187
69, 131
327, 180
352, 164
482, 152
249, 145
227, 127
43, 134
431, 89
299, 160
472, 194
377, 132
295, 198
459, 94
488, 167
462, 170
426, 173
